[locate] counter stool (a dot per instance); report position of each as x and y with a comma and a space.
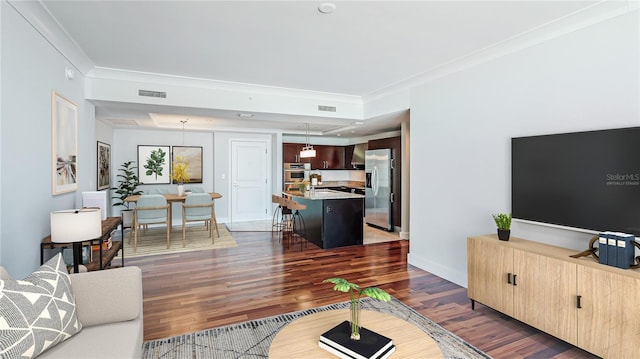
276, 224
297, 221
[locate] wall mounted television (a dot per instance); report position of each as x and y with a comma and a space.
587, 180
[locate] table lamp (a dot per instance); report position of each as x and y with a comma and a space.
75, 226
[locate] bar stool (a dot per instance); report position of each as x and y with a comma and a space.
276, 223
297, 221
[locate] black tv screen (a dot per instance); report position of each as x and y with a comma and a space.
588, 180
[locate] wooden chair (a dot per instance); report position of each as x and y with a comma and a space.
150, 209
198, 207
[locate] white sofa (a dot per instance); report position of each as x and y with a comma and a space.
109, 306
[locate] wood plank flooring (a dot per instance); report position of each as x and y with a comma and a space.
261, 277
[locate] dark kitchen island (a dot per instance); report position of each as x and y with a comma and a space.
332, 218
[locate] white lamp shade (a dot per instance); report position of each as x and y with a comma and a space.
307, 152
75, 225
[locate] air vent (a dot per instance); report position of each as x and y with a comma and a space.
148, 93
327, 108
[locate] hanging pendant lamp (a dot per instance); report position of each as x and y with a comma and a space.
307, 151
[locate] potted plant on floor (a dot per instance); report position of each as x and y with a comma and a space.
355, 292
127, 186
503, 222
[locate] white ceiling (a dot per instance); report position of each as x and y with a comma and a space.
360, 49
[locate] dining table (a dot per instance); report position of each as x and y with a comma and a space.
173, 198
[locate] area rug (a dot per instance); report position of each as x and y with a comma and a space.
154, 241
252, 339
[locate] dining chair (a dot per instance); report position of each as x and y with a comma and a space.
198, 207
150, 209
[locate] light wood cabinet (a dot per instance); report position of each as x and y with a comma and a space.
609, 320
579, 300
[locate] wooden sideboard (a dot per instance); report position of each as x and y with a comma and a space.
578, 300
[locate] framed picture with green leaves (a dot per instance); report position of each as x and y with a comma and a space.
154, 164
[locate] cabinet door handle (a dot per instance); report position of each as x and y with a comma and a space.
509, 278
514, 279
579, 301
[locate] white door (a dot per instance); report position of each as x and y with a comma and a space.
249, 184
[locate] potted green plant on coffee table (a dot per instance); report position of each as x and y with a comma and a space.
355, 292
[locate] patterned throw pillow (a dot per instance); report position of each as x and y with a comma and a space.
38, 312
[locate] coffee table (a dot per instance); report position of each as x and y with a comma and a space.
299, 339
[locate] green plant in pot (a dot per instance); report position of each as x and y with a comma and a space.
355, 292
503, 222
127, 186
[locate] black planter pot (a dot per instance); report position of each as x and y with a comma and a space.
503, 234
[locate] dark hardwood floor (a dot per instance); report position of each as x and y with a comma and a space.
198, 290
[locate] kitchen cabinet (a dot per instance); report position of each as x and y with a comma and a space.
291, 152
328, 157
575, 299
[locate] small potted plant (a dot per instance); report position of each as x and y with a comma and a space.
180, 173
127, 186
503, 222
355, 292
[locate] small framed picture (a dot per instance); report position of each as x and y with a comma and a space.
104, 166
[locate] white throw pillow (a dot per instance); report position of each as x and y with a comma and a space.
38, 312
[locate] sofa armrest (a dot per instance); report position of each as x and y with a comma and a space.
108, 296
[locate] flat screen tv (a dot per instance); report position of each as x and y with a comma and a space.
588, 180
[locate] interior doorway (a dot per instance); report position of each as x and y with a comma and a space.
250, 163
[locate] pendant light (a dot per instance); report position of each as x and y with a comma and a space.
183, 122
307, 151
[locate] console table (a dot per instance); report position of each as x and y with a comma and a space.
104, 257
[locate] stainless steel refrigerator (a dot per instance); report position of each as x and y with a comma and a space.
378, 165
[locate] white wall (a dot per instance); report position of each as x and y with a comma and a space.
31, 70
461, 126
125, 148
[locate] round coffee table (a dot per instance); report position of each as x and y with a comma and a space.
299, 339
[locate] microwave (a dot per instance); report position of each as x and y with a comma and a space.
296, 172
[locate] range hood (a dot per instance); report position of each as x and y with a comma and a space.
357, 161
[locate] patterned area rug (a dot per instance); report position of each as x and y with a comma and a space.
154, 241
252, 339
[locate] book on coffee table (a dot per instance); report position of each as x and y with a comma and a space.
371, 345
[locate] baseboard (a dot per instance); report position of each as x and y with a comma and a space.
450, 274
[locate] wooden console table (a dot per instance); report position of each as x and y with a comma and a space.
105, 256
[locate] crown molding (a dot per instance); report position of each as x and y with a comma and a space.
41, 20
592, 15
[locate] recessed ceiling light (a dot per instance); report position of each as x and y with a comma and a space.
357, 123
245, 115
327, 7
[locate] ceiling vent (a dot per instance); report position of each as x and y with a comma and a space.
148, 93
326, 108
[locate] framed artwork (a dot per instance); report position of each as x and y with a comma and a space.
154, 166
104, 166
64, 144
192, 156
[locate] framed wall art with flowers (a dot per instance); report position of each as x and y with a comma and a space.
191, 157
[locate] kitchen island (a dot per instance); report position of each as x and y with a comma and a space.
332, 218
